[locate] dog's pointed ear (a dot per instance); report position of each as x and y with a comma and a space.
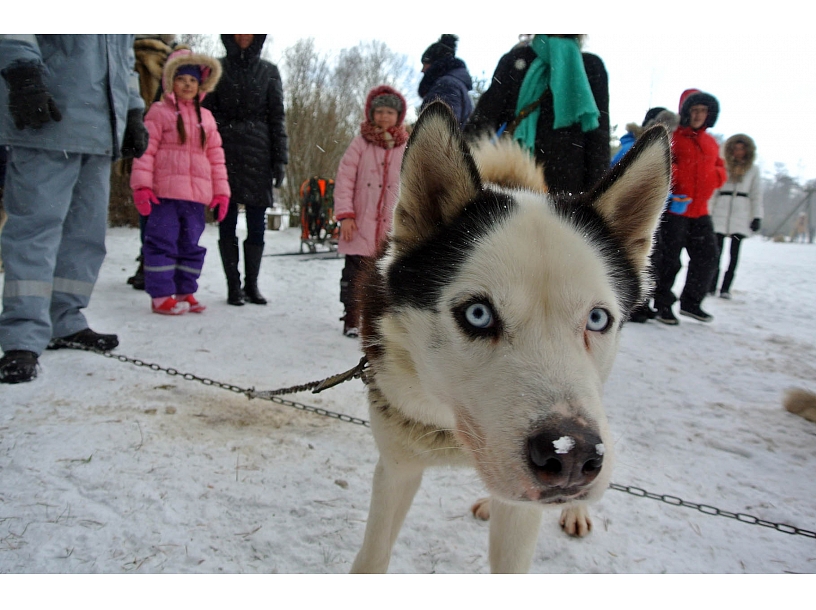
632, 196
438, 177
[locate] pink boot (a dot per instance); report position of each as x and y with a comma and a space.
195, 306
169, 306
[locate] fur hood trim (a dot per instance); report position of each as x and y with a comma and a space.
385, 90
210, 69
692, 97
728, 153
152, 54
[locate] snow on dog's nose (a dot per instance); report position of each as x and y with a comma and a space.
566, 457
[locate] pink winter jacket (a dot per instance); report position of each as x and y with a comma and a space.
181, 171
366, 190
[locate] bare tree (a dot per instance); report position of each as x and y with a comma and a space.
324, 105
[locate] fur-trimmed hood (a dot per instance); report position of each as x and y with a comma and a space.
692, 97
731, 164
210, 70
385, 90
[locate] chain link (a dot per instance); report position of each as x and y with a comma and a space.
359, 372
711, 510
272, 396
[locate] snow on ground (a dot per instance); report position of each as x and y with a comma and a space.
109, 467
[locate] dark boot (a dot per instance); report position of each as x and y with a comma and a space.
229, 258
252, 266
137, 280
18, 366
351, 323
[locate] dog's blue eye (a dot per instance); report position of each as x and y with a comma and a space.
598, 321
479, 315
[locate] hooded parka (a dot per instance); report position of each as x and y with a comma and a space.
737, 202
697, 168
248, 108
367, 184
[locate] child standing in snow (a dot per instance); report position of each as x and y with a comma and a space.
365, 190
182, 171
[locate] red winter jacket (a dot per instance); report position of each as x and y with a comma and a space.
697, 168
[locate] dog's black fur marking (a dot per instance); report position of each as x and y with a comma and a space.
417, 277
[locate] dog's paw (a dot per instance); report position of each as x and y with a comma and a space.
575, 520
481, 509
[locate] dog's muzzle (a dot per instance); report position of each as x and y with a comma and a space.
565, 459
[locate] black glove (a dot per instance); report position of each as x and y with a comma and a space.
30, 103
755, 224
136, 136
278, 174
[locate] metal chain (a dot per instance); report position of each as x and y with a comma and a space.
248, 392
359, 372
710, 510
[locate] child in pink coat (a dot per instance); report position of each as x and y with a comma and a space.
182, 171
365, 190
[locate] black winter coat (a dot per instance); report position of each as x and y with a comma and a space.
248, 107
448, 80
574, 161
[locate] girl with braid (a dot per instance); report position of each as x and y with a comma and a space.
182, 171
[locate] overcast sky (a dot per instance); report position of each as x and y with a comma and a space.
758, 62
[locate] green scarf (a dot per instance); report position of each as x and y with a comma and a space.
559, 66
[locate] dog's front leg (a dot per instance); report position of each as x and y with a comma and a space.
513, 536
392, 492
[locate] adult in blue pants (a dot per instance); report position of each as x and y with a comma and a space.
69, 106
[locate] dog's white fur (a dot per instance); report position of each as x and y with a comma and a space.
437, 396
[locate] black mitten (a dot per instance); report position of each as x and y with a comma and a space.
30, 103
755, 224
278, 174
136, 135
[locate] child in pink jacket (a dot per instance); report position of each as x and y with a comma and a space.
365, 190
182, 171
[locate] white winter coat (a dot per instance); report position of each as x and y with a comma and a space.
736, 203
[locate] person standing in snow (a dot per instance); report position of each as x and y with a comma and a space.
248, 107
69, 106
736, 208
446, 78
182, 170
365, 190
654, 116
554, 100
697, 171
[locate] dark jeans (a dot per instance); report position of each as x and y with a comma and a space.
255, 220
728, 278
351, 270
697, 236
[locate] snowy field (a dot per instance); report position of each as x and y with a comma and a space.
109, 467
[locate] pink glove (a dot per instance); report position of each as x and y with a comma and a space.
143, 197
222, 203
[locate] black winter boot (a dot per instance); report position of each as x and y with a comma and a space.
252, 266
229, 258
137, 280
18, 366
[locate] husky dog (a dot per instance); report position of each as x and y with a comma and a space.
491, 320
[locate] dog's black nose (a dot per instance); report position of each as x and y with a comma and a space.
566, 456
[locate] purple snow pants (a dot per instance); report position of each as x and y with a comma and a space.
172, 257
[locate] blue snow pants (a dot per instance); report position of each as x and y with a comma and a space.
172, 257
53, 243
